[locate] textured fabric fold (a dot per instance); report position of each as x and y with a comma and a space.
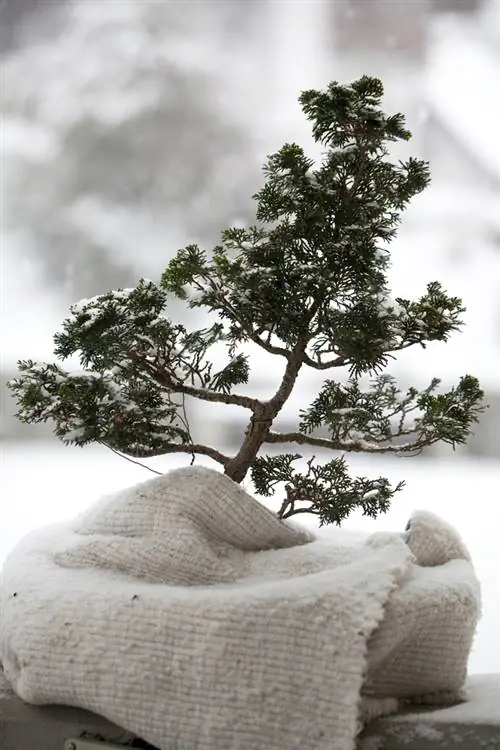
184, 611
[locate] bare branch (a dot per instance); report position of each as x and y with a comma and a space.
354, 446
317, 365
192, 448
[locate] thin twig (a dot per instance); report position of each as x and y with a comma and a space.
132, 460
317, 365
186, 425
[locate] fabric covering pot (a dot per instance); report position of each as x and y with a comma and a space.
184, 611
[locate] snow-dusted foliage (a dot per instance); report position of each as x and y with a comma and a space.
308, 284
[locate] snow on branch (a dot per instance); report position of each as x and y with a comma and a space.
174, 385
370, 420
308, 282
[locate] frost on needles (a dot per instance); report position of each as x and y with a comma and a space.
306, 283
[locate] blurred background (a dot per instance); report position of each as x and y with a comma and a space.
130, 129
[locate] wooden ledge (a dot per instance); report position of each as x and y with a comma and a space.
474, 725
471, 725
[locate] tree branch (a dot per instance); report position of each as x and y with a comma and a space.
269, 347
355, 446
294, 511
341, 361
202, 450
203, 394
337, 362
252, 335
263, 415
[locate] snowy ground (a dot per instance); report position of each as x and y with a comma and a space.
40, 484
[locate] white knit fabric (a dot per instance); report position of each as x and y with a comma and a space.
184, 611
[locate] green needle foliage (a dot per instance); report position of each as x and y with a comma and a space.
308, 284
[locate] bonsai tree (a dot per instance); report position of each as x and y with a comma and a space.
307, 283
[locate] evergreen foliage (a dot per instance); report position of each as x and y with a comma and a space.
308, 284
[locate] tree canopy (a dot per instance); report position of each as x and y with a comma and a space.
307, 283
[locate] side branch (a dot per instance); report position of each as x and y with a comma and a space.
202, 450
203, 394
280, 350
354, 446
252, 335
317, 365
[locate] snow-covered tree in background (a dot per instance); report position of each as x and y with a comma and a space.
115, 142
307, 284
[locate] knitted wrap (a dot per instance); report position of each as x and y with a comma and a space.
184, 611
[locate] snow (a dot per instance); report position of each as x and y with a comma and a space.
371, 494
472, 724
482, 706
86, 374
